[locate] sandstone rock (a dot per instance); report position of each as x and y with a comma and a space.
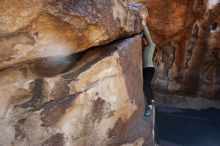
187, 62
85, 106
59, 88
206, 54
31, 29
169, 18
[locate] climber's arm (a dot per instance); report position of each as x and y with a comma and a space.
147, 35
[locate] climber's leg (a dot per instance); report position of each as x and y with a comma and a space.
147, 77
148, 92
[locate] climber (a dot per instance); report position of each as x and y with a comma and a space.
148, 66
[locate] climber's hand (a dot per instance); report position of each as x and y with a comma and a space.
143, 19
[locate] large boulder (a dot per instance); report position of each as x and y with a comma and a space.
98, 102
31, 29
65, 77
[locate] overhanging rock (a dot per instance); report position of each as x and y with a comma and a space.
33, 29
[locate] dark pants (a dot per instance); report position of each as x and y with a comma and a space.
148, 74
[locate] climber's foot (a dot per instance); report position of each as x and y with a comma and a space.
148, 111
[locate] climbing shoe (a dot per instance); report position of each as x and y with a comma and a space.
148, 111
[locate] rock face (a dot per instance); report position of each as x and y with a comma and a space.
187, 33
31, 29
64, 79
71, 71
87, 105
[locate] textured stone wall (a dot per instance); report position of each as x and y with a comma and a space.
85, 106
71, 74
71, 71
187, 60
31, 29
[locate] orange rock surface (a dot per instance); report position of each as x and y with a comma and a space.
71, 71
31, 29
187, 62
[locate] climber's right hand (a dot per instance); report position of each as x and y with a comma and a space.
143, 19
